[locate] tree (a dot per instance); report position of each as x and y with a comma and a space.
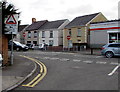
7, 9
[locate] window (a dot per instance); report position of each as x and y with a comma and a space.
51, 42
28, 42
51, 34
69, 32
114, 45
79, 32
35, 42
29, 34
43, 34
35, 34
43, 41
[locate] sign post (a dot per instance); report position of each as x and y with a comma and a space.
12, 28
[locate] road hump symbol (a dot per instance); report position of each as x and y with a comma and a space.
11, 20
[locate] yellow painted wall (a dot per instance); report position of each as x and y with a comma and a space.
84, 29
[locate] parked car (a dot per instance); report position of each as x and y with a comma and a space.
43, 46
110, 50
17, 46
31, 46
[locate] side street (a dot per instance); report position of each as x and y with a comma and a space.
81, 54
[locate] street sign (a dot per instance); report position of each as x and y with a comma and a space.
24, 35
11, 20
11, 24
68, 37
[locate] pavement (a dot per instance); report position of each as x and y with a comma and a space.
14, 75
88, 52
22, 68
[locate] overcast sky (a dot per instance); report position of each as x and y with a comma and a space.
64, 9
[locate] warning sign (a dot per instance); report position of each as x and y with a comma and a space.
11, 24
11, 20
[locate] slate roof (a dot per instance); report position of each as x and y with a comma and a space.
81, 20
52, 24
21, 27
36, 25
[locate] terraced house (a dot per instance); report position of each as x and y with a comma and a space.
49, 32
32, 32
76, 33
52, 32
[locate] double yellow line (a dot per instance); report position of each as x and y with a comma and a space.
40, 76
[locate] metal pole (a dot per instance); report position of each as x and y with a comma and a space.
12, 49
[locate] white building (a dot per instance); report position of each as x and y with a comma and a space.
104, 32
52, 32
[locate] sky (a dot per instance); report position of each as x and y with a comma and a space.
63, 9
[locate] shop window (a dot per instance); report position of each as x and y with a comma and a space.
112, 37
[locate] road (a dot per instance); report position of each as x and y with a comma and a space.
74, 71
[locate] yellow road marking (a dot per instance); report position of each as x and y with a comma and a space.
36, 80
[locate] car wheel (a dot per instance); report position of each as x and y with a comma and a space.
17, 49
109, 54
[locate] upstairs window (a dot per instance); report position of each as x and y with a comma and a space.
35, 34
69, 32
43, 34
29, 34
51, 34
79, 31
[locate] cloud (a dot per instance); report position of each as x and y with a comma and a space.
58, 9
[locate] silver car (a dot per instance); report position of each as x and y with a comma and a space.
111, 49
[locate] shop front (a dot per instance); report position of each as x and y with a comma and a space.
113, 36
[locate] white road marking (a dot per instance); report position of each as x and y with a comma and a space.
64, 59
114, 63
76, 60
54, 58
101, 62
113, 71
88, 62
46, 58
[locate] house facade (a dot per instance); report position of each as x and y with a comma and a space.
76, 33
105, 32
31, 32
52, 32
49, 32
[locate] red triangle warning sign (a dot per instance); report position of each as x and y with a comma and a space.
11, 20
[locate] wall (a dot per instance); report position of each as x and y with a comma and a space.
98, 38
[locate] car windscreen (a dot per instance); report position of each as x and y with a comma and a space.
17, 43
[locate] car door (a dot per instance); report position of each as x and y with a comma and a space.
116, 49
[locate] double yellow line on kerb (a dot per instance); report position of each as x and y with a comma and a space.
40, 76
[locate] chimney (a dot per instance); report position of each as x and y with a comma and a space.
33, 20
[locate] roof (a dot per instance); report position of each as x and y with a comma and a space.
52, 24
105, 21
81, 20
36, 25
21, 27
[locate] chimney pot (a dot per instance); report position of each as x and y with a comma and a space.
33, 20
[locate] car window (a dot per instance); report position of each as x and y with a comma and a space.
114, 45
